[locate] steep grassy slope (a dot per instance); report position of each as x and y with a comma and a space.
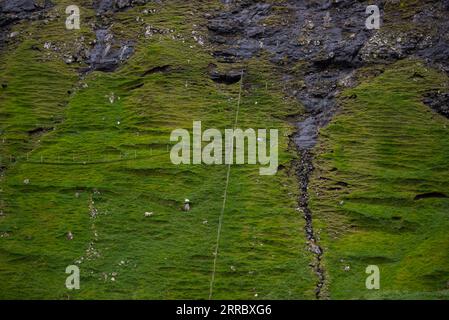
89, 153
107, 157
378, 188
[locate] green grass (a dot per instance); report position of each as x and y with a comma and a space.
125, 170
383, 149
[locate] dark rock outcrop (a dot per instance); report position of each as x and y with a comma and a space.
18, 6
13, 10
438, 101
108, 53
103, 6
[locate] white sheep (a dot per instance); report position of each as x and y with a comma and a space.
186, 205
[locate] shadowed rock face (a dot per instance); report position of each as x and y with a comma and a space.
228, 77
108, 52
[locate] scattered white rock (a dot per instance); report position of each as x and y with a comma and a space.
70, 235
111, 97
26, 181
148, 214
347, 268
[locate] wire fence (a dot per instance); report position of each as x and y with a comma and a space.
84, 159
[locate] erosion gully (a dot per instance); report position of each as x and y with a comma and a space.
240, 33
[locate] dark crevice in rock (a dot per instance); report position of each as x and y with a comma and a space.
430, 195
227, 77
38, 131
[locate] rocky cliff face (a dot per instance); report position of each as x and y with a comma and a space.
330, 39
138, 69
